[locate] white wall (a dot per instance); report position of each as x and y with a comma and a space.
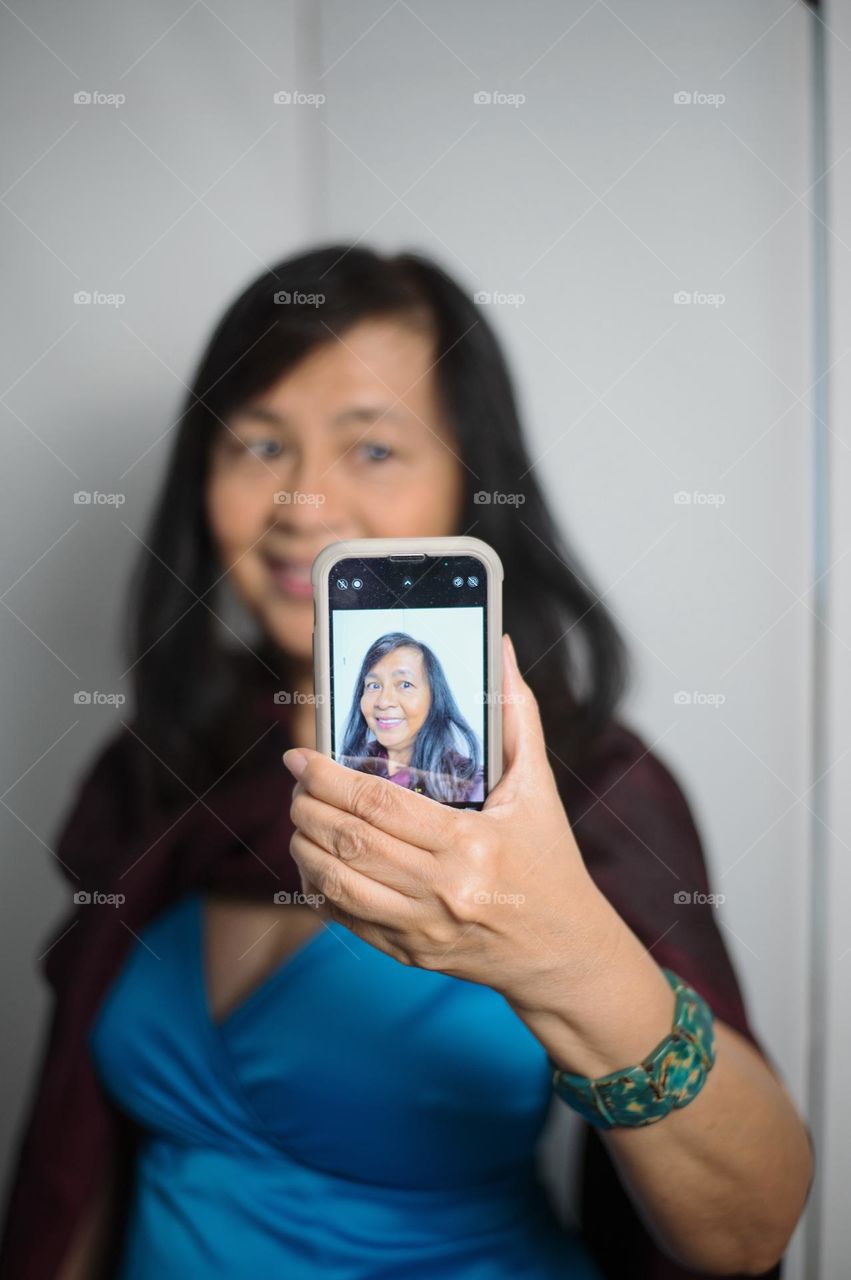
598, 199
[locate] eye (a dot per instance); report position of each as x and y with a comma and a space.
408, 683
374, 447
251, 445
263, 448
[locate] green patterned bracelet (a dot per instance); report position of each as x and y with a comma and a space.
669, 1077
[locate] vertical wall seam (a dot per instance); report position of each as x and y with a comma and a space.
817, 1022
312, 171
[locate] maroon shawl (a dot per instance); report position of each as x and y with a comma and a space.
637, 837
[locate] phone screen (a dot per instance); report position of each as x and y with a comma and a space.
409, 672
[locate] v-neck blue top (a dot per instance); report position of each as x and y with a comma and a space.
353, 1118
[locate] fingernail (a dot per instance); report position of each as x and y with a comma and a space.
511, 652
295, 762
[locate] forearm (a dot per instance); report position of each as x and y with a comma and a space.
719, 1183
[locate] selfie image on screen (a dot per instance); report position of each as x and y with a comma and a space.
408, 699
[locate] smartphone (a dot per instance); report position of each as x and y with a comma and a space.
407, 655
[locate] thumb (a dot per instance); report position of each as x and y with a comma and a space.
524, 747
297, 759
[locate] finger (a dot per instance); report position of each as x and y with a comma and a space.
394, 863
524, 746
407, 815
311, 893
344, 888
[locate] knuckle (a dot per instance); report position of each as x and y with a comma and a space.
373, 799
350, 842
478, 846
464, 900
437, 939
430, 939
331, 885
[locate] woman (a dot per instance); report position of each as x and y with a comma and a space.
403, 698
234, 1084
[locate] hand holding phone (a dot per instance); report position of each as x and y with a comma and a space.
439, 888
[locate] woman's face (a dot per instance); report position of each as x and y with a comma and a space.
396, 698
350, 443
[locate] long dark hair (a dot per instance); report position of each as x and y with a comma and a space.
444, 772
191, 687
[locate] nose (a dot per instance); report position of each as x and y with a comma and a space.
310, 499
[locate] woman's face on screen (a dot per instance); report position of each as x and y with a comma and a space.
350, 443
396, 698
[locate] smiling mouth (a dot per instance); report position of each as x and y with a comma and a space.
389, 722
291, 576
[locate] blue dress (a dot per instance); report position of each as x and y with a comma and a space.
353, 1118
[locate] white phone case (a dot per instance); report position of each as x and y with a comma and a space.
365, 548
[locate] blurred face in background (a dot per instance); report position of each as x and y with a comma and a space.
350, 443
